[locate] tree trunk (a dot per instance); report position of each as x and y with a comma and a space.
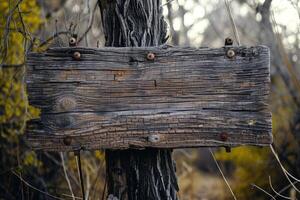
137, 174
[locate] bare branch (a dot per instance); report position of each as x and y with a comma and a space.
264, 191
31, 186
47, 41
90, 23
285, 172
224, 178
66, 175
277, 193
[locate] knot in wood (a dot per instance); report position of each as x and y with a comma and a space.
64, 121
153, 138
67, 103
72, 41
230, 53
223, 136
76, 55
150, 56
67, 141
251, 122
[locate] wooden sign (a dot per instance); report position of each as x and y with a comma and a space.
166, 97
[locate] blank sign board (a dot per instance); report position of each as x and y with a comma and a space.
161, 97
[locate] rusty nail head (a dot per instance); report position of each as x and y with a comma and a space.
150, 56
224, 136
76, 55
67, 140
230, 53
228, 41
72, 41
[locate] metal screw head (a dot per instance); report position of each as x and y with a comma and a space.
72, 41
150, 56
230, 53
76, 55
224, 136
67, 140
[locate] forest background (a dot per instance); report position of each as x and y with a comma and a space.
252, 172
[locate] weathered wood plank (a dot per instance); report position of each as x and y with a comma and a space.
117, 98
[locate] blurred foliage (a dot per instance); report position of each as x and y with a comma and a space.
14, 108
254, 165
19, 23
13, 102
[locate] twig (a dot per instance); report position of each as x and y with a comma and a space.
285, 172
53, 37
267, 193
235, 32
78, 160
7, 30
67, 195
31, 186
90, 23
224, 178
285, 188
277, 193
66, 175
23, 24
96, 179
88, 185
104, 188
170, 1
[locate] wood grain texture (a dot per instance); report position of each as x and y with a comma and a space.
137, 174
116, 98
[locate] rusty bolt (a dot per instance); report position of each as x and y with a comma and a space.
230, 53
224, 136
150, 56
72, 41
67, 140
76, 55
228, 41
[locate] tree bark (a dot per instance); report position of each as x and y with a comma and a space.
137, 174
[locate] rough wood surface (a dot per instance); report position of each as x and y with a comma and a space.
137, 174
116, 98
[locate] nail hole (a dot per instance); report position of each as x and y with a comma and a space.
224, 136
67, 140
